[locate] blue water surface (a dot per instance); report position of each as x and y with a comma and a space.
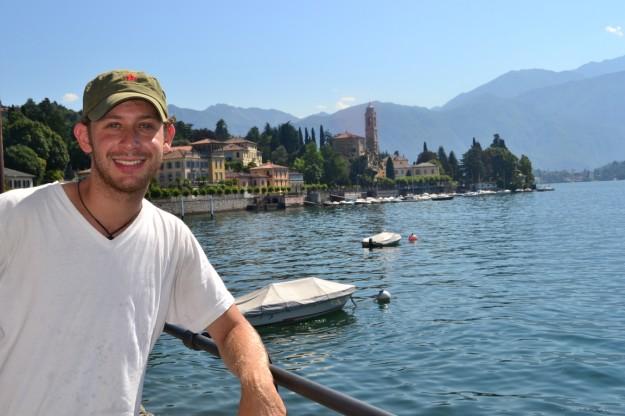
508, 305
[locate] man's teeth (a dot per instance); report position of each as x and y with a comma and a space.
128, 162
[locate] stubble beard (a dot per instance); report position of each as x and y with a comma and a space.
130, 186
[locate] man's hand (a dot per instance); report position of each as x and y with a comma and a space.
244, 354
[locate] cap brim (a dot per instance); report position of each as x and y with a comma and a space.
112, 100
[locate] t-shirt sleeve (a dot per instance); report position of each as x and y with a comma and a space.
199, 295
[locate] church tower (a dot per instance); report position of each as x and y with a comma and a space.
371, 132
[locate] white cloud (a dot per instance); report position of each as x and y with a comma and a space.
345, 102
69, 97
321, 107
615, 30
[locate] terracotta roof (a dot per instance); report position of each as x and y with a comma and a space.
269, 165
347, 135
182, 148
242, 175
233, 147
206, 141
178, 152
235, 140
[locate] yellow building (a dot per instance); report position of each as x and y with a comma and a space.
213, 152
244, 151
400, 166
275, 175
182, 163
425, 168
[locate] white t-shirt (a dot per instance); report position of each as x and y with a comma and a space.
80, 313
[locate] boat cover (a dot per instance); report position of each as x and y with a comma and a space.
294, 293
383, 238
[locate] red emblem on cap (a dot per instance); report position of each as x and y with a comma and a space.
131, 77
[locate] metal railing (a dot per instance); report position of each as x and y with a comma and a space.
332, 399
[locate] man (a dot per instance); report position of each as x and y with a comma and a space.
90, 271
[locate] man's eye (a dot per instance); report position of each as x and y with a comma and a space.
147, 126
113, 125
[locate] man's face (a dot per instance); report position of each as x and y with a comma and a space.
127, 146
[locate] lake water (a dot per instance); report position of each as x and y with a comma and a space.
507, 305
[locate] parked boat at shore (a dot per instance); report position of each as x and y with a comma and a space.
442, 197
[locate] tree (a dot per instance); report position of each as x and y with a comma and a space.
300, 137
46, 144
472, 164
454, 167
501, 165
525, 168
498, 141
264, 144
360, 173
253, 135
390, 168
199, 134
288, 138
306, 136
335, 167
299, 165
280, 156
184, 133
442, 158
313, 164
312, 135
221, 130
23, 158
426, 155
322, 139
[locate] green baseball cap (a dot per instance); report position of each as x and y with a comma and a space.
111, 88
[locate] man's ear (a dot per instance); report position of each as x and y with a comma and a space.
81, 132
170, 132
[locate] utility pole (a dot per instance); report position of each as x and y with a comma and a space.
1, 154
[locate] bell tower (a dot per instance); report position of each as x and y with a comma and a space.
371, 132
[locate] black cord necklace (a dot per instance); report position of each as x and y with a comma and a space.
110, 235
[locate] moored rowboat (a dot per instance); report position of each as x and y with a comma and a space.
294, 300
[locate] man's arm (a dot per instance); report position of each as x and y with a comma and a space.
244, 354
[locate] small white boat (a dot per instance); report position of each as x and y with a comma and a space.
383, 239
442, 197
293, 300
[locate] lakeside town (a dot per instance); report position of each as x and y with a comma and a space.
275, 168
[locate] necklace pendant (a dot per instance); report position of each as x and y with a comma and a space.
110, 237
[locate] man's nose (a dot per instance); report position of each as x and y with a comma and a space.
130, 137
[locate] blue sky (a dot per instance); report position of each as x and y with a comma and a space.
301, 57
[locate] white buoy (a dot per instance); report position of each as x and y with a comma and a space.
383, 296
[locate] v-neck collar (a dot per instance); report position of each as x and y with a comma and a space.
90, 229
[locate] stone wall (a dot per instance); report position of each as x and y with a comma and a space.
214, 203
202, 204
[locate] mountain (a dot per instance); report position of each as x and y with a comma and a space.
514, 83
560, 120
239, 120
